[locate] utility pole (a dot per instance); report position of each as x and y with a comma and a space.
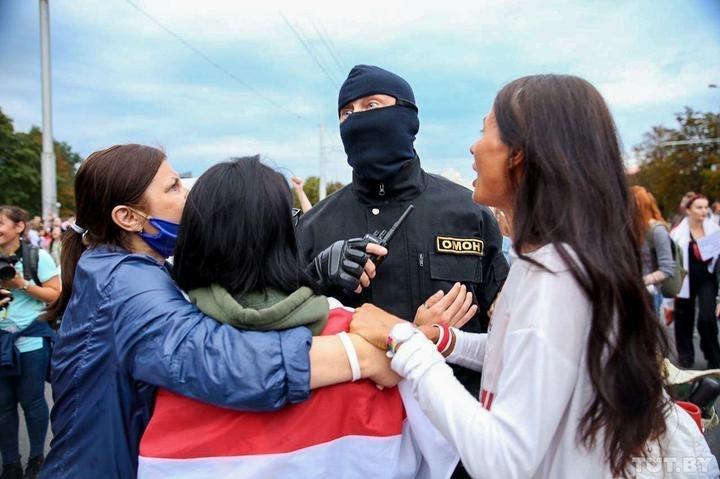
48, 169
321, 176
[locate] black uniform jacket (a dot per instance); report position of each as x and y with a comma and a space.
446, 239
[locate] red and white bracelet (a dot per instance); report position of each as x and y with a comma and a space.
445, 339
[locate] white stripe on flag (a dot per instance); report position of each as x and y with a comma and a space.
391, 457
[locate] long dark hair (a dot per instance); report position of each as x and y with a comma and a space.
570, 191
236, 231
115, 176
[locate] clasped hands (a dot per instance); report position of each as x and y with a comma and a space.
373, 324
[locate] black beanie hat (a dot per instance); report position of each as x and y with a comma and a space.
365, 80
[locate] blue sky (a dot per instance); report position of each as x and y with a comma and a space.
118, 77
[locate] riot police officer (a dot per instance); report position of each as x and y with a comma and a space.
446, 239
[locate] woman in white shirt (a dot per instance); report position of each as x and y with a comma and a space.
701, 284
571, 367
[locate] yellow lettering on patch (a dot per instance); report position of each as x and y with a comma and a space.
447, 244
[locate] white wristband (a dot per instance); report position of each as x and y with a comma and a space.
351, 355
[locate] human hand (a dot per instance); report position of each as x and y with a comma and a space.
454, 309
16, 283
373, 324
297, 183
370, 270
5, 298
345, 264
374, 364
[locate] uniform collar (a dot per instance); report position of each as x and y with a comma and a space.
406, 185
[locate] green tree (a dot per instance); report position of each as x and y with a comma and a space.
20, 180
312, 190
670, 170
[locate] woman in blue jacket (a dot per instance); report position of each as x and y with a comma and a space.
127, 329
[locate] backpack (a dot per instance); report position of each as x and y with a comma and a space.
30, 259
670, 287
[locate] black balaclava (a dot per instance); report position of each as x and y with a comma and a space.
378, 142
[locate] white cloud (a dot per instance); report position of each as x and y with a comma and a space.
454, 175
647, 83
125, 79
609, 45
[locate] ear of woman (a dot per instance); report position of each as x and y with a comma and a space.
127, 219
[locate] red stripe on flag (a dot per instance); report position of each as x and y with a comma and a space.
338, 320
182, 428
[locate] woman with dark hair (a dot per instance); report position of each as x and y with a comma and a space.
236, 250
240, 241
127, 328
572, 383
700, 284
55, 244
25, 338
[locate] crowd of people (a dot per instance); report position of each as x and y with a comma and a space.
551, 368
682, 281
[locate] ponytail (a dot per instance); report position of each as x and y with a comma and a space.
72, 248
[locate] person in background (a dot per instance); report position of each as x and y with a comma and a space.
700, 285
571, 367
715, 212
297, 185
55, 246
505, 226
22, 331
45, 238
33, 235
127, 329
653, 234
682, 210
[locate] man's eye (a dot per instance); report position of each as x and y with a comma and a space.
373, 104
345, 113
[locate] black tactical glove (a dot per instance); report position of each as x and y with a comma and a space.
340, 265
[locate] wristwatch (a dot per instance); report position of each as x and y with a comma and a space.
400, 333
25, 286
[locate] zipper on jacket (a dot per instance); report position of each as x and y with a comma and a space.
421, 263
381, 189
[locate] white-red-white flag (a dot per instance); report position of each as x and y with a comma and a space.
351, 430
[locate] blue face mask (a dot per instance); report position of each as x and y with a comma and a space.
164, 240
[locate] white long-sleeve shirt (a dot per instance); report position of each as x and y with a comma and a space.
535, 386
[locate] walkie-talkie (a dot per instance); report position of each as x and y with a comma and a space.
383, 238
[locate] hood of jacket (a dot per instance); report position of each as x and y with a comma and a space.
263, 310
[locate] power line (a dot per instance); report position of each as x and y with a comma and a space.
317, 54
690, 142
217, 65
343, 63
324, 38
307, 48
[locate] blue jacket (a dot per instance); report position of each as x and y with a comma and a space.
9, 354
127, 330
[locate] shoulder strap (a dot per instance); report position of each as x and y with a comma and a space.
31, 260
650, 238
